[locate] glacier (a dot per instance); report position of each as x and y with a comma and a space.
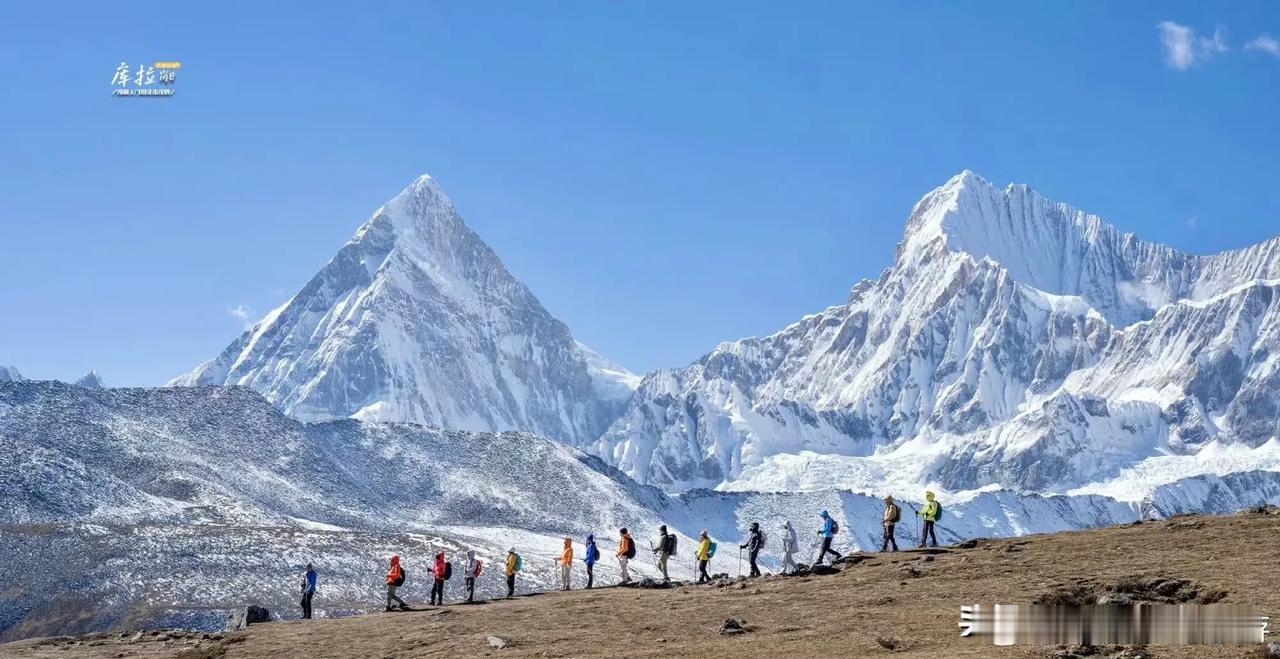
168, 507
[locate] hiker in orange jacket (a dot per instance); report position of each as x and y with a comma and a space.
440, 570
626, 552
395, 579
566, 563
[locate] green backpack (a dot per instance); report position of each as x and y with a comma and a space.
519, 563
711, 551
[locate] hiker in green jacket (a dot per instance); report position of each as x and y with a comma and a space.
930, 513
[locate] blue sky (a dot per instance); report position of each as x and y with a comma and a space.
664, 177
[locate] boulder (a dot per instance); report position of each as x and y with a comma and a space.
250, 615
734, 626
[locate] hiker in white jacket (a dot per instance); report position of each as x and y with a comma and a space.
470, 572
790, 545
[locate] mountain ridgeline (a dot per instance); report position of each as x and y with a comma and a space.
416, 319
1014, 341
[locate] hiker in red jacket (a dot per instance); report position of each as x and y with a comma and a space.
440, 570
395, 579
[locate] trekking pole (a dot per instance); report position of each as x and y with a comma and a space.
739, 561
918, 530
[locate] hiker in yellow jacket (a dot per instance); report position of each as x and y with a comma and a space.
930, 513
513, 566
704, 557
566, 562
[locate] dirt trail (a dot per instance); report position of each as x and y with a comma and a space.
907, 601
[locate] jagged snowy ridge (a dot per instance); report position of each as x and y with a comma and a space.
1012, 342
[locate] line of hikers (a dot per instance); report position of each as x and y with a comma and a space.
441, 569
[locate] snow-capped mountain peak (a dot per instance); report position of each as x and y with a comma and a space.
10, 374
1063, 250
417, 319
90, 380
1014, 341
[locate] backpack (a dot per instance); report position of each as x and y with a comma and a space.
671, 545
448, 571
835, 526
479, 568
896, 515
631, 548
404, 574
764, 537
937, 513
519, 562
711, 551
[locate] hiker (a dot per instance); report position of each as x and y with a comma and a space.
790, 545
666, 547
932, 510
470, 573
308, 590
441, 570
566, 564
829, 529
626, 552
395, 579
513, 566
753, 545
704, 557
892, 513
593, 555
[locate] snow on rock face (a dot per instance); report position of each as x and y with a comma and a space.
90, 380
9, 374
1065, 251
416, 319
1014, 341
164, 507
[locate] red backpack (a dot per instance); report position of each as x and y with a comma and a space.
479, 567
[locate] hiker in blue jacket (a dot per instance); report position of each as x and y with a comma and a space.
308, 590
829, 529
590, 559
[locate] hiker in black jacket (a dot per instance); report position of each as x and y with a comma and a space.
753, 546
666, 547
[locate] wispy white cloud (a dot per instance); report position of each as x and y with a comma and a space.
242, 313
1183, 48
1192, 221
1266, 43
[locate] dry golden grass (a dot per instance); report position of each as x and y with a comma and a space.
840, 615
